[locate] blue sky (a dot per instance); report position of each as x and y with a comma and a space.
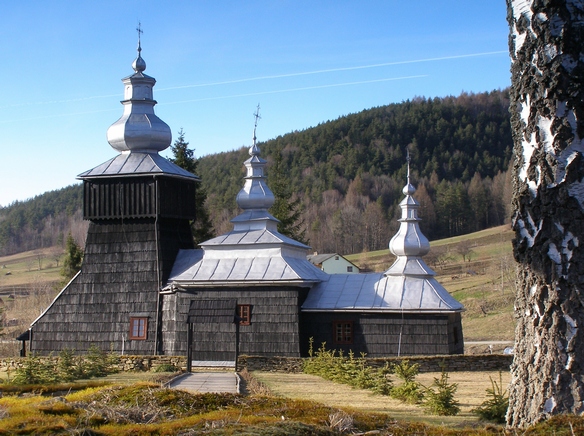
304, 62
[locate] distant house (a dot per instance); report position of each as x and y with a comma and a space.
333, 263
145, 289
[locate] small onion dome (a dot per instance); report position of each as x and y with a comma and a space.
409, 189
139, 64
255, 193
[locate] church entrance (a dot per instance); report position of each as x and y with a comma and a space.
213, 333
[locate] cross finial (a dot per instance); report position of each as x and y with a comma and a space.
139, 65
408, 159
257, 117
254, 149
140, 32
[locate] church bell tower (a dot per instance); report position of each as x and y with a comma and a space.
139, 206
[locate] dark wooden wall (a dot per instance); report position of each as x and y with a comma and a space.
138, 197
378, 335
274, 328
118, 280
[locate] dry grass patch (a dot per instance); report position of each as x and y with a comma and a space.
42, 265
471, 393
148, 409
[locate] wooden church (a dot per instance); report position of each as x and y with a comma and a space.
145, 289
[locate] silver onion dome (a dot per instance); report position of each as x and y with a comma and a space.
139, 129
255, 193
409, 243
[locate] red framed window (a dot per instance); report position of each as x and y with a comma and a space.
244, 314
343, 332
138, 328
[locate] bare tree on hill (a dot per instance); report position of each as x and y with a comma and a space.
546, 45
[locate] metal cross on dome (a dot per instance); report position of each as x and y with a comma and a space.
408, 159
139, 30
257, 117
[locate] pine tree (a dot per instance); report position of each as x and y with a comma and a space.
285, 209
184, 157
73, 259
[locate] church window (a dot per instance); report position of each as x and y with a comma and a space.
343, 332
244, 314
138, 328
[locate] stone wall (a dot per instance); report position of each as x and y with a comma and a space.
478, 362
453, 363
126, 363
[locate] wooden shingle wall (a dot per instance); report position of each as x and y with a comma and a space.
174, 324
118, 280
378, 335
274, 327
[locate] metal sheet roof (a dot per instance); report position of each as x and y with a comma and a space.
136, 163
253, 237
191, 268
320, 258
376, 292
408, 265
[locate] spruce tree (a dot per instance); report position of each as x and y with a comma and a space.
285, 209
184, 157
73, 259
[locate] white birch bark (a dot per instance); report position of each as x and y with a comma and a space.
546, 45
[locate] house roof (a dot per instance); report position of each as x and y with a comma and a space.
320, 258
379, 293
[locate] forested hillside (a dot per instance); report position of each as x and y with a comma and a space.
43, 221
348, 174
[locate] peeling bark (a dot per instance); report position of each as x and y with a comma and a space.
546, 45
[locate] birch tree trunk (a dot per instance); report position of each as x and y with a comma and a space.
546, 45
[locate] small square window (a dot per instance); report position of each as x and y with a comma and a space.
336, 257
349, 269
138, 328
244, 314
343, 332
